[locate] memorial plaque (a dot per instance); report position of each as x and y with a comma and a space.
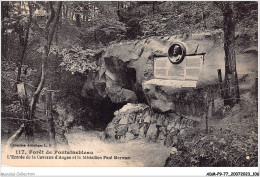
164, 69
188, 70
161, 72
193, 61
193, 67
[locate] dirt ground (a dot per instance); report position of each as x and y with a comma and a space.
138, 152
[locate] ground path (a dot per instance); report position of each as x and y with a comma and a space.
141, 153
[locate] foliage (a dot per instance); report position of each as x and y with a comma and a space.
232, 141
102, 30
78, 60
133, 28
75, 45
8, 86
216, 151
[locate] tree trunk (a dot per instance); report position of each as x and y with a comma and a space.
78, 24
50, 118
25, 42
71, 16
153, 6
66, 12
50, 28
4, 14
231, 92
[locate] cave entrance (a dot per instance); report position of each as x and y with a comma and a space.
98, 113
101, 110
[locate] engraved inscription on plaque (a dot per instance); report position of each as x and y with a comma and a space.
192, 61
188, 69
177, 71
161, 63
160, 72
193, 67
192, 72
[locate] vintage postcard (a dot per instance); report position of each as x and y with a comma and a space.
129, 84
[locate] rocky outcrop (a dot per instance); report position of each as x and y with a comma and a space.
127, 65
138, 121
126, 75
118, 94
174, 98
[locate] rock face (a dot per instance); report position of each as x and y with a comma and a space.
125, 66
126, 75
120, 95
138, 121
183, 101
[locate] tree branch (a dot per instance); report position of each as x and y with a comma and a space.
40, 29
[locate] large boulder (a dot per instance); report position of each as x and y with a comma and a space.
161, 105
118, 94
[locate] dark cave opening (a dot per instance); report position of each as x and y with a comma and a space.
99, 113
99, 110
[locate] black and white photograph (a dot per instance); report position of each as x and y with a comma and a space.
130, 84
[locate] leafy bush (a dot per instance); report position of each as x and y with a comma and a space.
226, 149
78, 60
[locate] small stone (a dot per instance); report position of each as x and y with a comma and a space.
173, 150
160, 120
116, 113
174, 140
129, 136
183, 124
131, 118
172, 130
171, 125
162, 133
182, 131
177, 126
154, 118
139, 118
169, 140
110, 132
123, 121
121, 131
134, 129
166, 122
152, 133
147, 119
142, 132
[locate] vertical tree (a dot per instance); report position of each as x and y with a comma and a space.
231, 92
49, 30
4, 14
24, 43
29, 107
